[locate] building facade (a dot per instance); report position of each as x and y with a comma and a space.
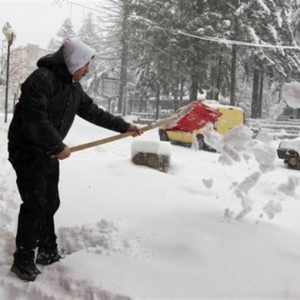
23, 61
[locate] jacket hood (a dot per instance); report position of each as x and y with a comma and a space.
55, 62
76, 54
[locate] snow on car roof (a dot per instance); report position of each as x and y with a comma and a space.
216, 104
291, 144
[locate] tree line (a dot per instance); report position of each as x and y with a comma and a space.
175, 48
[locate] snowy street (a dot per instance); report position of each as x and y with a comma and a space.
216, 225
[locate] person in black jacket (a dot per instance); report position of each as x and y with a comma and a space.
50, 98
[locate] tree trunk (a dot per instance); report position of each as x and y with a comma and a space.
280, 92
157, 102
233, 75
181, 91
255, 95
194, 87
219, 77
124, 61
176, 92
141, 102
213, 74
260, 98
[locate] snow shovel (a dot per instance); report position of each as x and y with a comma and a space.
195, 115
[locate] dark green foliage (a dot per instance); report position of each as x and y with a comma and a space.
162, 60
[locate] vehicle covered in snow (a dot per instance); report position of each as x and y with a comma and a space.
289, 151
230, 116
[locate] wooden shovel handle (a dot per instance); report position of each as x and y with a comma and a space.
122, 135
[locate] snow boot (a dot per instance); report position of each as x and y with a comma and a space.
48, 257
25, 270
24, 266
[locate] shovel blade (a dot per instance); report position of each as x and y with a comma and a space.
196, 115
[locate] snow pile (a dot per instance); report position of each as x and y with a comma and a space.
8, 204
155, 155
157, 147
291, 94
101, 237
59, 283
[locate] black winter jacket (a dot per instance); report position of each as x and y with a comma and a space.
47, 107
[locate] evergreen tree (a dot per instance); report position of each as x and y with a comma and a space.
268, 22
156, 49
203, 64
295, 23
65, 31
89, 33
162, 61
115, 45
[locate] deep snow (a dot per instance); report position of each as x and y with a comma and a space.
216, 226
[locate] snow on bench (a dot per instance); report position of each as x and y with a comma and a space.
153, 154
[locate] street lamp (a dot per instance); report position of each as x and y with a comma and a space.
10, 36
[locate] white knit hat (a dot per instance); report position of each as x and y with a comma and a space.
76, 54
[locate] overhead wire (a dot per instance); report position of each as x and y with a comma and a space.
234, 42
206, 38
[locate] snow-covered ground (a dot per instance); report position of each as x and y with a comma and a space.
216, 226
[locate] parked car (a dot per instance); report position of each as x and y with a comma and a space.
144, 118
289, 151
231, 117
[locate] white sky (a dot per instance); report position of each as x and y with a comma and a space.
38, 21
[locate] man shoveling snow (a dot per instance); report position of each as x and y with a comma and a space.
51, 97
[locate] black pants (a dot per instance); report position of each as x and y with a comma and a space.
37, 181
